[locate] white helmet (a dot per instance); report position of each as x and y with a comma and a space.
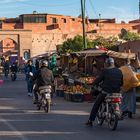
45, 63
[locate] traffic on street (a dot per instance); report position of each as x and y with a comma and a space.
20, 120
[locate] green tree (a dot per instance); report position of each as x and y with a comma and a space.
75, 44
109, 43
128, 36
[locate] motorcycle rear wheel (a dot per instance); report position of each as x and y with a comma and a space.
100, 119
113, 122
47, 106
38, 106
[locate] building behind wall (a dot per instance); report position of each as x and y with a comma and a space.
36, 34
131, 47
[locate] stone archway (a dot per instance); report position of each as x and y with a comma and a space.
22, 39
8, 44
13, 37
9, 49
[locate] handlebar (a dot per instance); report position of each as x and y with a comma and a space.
98, 88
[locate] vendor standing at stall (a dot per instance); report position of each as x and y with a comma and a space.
95, 70
128, 105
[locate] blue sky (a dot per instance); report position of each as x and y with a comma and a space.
120, 9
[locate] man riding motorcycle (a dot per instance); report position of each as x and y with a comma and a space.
112, 80
14, 69
6, 68
43, 77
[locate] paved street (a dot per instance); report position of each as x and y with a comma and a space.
19, 119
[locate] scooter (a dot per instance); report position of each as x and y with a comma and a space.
44, 101
6, 73
13, 76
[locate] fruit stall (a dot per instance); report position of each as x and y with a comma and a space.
77, 76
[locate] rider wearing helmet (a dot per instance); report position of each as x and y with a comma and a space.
14, 67
112, 80
43, 77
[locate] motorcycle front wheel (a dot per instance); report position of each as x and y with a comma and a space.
113, 121
47, 106
38, 106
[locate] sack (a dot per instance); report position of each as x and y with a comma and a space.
130, 79
138, 76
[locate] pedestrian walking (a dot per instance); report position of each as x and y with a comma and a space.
29, 71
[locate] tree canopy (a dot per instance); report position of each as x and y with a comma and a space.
75, 44
128, 36
108, 43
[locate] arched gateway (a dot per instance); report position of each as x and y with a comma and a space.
15, 43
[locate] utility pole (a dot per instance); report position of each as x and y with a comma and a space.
83, 22
139, 9
100, 26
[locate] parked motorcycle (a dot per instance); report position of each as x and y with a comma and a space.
13, 76
109, 110
44, 98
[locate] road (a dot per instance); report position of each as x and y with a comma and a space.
19, 119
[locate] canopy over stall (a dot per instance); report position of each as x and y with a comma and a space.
91, 52
118, 56
110, 53
90, 56
121, 55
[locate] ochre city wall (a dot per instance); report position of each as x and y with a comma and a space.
39, 38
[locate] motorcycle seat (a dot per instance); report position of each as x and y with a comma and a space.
45, 91
45, 87
113, 95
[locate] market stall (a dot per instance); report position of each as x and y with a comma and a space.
78, 73
120, 57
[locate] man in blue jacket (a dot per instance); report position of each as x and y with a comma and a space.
112, 80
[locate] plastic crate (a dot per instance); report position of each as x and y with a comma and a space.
88, 97
60, 93
77, 97
67, 96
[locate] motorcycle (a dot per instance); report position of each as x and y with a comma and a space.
6, 72
44, 100
109, 110
13, 76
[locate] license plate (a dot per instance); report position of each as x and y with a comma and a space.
48, 96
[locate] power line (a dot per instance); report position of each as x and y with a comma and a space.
94, 10
50, 5
139, 9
